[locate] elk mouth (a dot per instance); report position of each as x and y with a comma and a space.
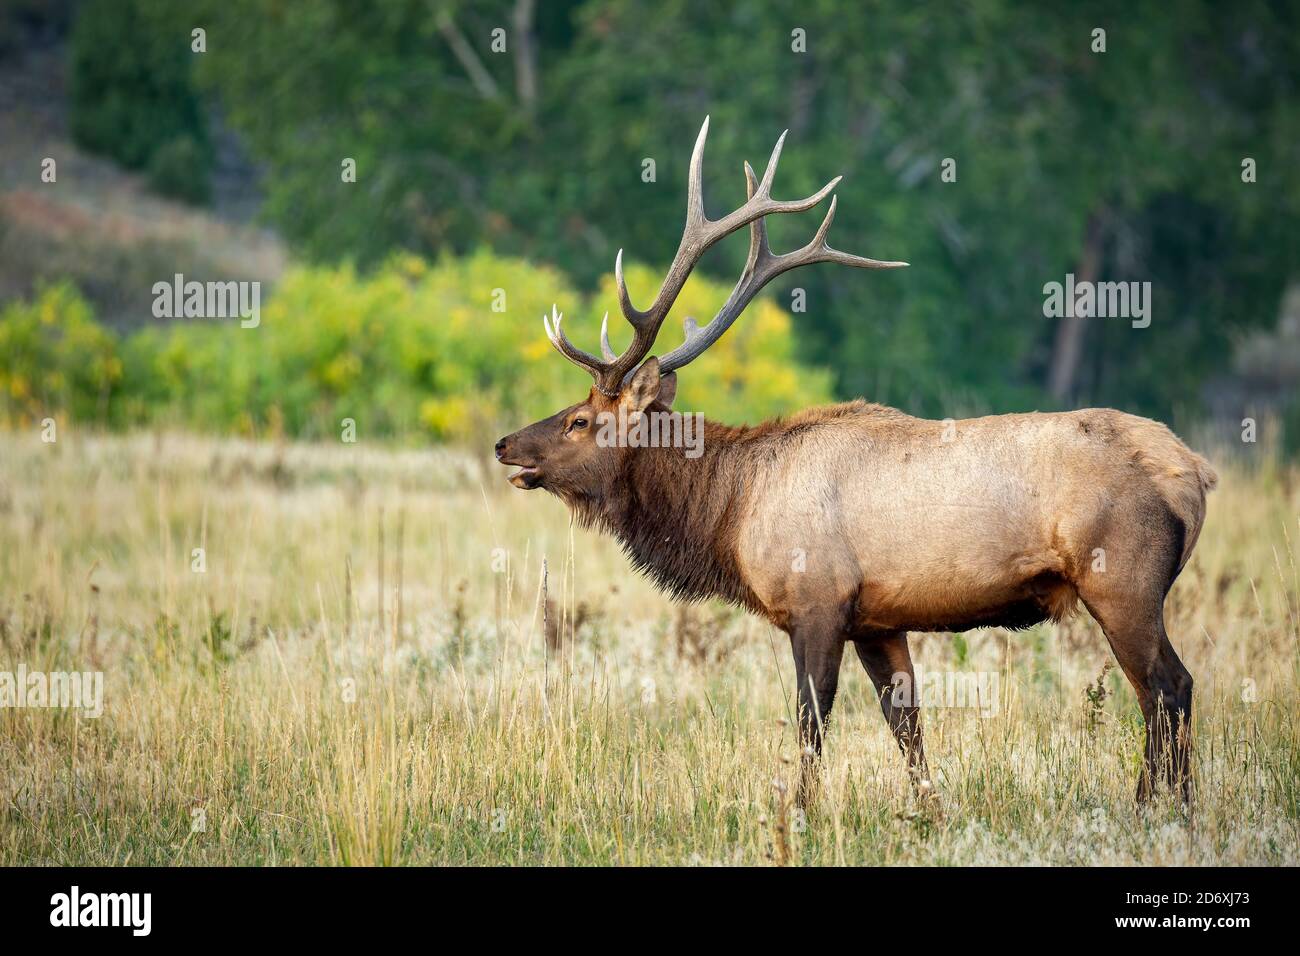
527, 477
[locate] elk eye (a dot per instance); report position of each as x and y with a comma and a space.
579, 423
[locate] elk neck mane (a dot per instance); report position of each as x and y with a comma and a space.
678, 518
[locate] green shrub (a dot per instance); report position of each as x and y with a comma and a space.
412, 349
56, 361
132, 93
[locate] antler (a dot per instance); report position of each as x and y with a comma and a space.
762, 267
701, 233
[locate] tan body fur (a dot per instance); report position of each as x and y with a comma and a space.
924, 525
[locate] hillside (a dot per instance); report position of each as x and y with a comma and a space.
97, 224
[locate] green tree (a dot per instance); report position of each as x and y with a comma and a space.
528, 128
133, 95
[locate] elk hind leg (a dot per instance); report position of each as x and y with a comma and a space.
1135, 628
888, 663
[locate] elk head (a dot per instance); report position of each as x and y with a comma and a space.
562, 453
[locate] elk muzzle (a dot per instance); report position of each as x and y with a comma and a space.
511, 450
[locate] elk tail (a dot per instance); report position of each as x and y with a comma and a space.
1183, 478
1205, 480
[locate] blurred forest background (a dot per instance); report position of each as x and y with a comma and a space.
521, 169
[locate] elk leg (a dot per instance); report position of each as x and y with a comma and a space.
1164, 691
1174, 719
818, 652
887, 659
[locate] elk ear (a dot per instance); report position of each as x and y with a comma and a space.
667, 389
642, 388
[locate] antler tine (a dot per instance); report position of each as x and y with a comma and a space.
577, 356
818, 250
769, 174
758, 247
605, 349
634, 316
695, 179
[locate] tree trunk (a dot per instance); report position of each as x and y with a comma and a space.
525, 57
1068, 350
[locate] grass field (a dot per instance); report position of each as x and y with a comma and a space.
363, 673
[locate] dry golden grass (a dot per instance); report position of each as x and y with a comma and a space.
324, 695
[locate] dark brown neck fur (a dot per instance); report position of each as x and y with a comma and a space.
675, 516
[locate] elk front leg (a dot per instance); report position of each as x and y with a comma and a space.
818, 650
888, 663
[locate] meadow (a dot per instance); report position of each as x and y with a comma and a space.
389, 656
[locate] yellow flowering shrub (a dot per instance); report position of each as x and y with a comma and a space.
55, 360
453, 350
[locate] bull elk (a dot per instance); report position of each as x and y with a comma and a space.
905, 524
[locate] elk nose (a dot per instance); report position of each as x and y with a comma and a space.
501, 448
